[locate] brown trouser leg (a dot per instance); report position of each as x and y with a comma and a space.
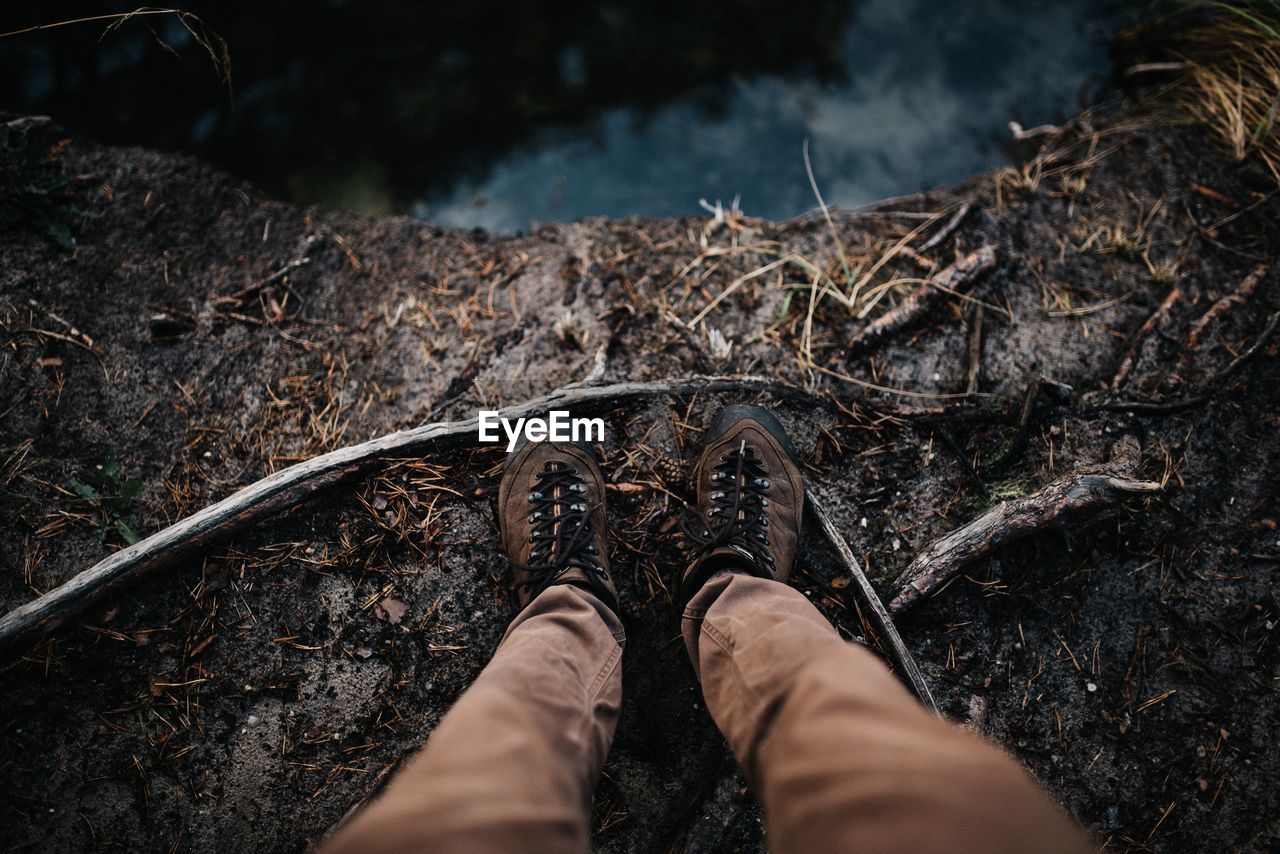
842, 756
512, 766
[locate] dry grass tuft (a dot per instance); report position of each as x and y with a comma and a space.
1229, 56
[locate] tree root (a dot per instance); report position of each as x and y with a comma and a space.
1072, 499
954, 278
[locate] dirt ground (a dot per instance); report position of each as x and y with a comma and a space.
201, 336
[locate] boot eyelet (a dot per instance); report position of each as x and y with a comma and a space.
715, 496
761, 482
764, 502
535, 496
578, 508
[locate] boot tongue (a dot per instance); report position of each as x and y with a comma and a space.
719, 559
579, 578
726, 557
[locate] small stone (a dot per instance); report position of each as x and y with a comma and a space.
254, 720
1090, 687
897, 544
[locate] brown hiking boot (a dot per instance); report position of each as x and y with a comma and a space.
750, 499
552, 521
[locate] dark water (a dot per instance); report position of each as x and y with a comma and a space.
503, 115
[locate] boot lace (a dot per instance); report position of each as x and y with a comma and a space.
737, 517
563, 532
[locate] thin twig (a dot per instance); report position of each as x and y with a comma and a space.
1237, 297
1135, 349
1214, 385
873, 607
973, 377
947, 230
826, 212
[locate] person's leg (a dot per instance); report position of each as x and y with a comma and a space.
842, 756
512, 766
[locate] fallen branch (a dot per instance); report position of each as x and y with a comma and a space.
291, 486
1073, 499
872, 608
243, 295
1135, 349
954, 279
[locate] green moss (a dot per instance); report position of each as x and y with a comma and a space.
35, 187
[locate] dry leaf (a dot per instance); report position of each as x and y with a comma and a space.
391, 610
